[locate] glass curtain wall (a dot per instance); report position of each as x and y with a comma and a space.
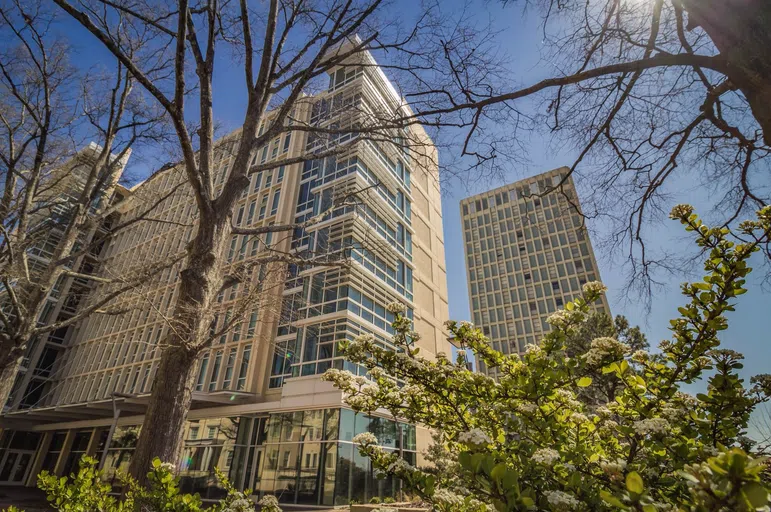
309, 458
301, 457
209, 443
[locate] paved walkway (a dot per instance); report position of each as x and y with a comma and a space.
29, 499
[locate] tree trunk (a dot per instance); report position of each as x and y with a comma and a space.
8, 369
171, 398
161, 434
12, 351
741, 31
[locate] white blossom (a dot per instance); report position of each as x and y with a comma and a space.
681, 210
640, 356
412, 390
465, 323
578, 417
687, 398
561, 500
341, 378
533, 349
565, 394
399, 465
673, 413
651, 426
526, 407
365, 439
613, 467
268, 501
397, 308
559, 318
605, 347
447, 498
475, 437
240, 505
545, 456
360, 402
167, 466
595, 287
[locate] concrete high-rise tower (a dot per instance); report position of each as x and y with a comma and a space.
527, 255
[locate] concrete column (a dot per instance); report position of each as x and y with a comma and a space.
93, 443
59, 467
40, 455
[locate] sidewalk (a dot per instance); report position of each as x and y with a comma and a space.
28, 499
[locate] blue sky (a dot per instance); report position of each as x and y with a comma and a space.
521, 39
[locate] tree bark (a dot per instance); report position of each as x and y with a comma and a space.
8, 371
166, 414
12, 350
741, 31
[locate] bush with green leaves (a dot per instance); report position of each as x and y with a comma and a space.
529, 441
86, 491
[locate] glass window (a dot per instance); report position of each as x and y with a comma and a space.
241, 384
202, 372
332, 424
274, 206
343, 473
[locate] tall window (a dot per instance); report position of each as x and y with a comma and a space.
244, 369
202, 372
274, 206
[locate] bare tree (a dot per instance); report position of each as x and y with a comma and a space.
656, 97
55, 202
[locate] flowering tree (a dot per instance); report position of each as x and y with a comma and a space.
525, 442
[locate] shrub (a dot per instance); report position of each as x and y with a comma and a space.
526, 441
86, 491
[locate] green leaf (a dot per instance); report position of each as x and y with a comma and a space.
498, 471
634, 483
584, 382
464, 459
476, 461
756, 494
611, 500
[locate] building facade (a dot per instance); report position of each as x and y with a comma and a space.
527, 255
260, 410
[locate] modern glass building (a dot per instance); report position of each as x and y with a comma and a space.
527, 254
261, 412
